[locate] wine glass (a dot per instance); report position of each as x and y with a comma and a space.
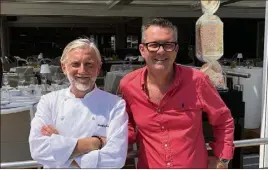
21, 80
5, 96
56, 78
5, 80
31, 88
33, 80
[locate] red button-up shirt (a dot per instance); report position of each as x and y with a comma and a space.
170, 134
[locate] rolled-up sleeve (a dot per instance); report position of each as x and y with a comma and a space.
114, 153
219, 117
51, 151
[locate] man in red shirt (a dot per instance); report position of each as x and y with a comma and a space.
165, 102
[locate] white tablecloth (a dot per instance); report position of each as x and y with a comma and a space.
20, 103
112, 81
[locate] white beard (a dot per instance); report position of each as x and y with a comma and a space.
81, 86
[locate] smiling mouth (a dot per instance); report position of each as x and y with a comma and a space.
82, 78
160, 59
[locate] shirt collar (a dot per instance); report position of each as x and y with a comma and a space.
176, 82
71, 95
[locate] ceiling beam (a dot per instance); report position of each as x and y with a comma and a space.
33, 9
197, 5
113, 3
229, 2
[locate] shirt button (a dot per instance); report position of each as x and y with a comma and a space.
166, 145
163, 127
158, 110
168, 164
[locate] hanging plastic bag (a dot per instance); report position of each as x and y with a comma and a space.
215, 73
209, 33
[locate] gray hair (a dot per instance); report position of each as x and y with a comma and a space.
160, 22
80, 43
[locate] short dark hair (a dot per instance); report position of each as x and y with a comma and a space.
161, 22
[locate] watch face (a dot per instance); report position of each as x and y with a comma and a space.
224, 161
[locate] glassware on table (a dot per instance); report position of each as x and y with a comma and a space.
5, 96
56, 78
5, 80
38, 90
21, 80
43, 79
33, 80
33, 83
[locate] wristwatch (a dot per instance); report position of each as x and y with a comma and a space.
224, 161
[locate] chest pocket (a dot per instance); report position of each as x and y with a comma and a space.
184, 116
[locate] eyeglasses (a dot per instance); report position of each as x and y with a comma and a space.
154, 46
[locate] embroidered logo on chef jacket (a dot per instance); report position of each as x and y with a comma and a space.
105, 126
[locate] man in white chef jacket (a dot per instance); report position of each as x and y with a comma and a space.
81, 126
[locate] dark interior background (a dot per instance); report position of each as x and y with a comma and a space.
240, 36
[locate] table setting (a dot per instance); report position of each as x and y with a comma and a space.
25, 95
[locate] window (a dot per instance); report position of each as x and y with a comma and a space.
132, 41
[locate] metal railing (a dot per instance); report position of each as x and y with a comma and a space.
134, 154
228, 72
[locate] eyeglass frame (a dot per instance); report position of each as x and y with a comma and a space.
159, 45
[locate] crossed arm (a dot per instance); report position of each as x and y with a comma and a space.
83, 146
55, 150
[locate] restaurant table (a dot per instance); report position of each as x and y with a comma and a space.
15, 127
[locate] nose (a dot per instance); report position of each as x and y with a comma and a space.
82, 69
161, 50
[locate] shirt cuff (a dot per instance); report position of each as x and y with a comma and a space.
62, 147
89, 160
222, 151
